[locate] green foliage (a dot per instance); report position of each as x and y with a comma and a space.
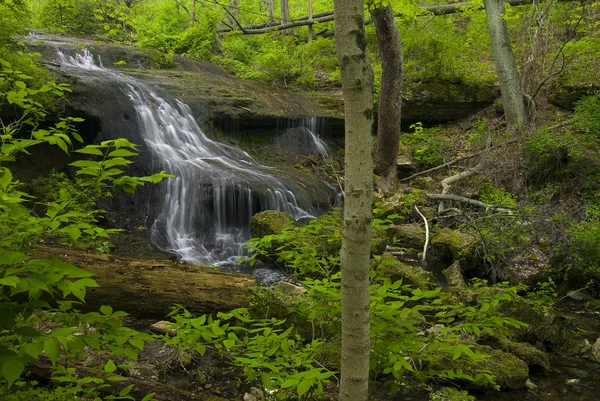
587, 115
31, 327
279, 362
428, 146
492, 195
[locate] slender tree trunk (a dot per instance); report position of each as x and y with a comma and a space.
233, 5
193, 13
357, 85
310, 27
284, 13
390, 97
508, 77
271, 10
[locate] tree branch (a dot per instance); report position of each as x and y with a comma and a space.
468, 201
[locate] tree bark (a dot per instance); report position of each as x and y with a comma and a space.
271, 11
148, 288
284, 13
357, 85
506, 67
310, 27
390, 97
233, 5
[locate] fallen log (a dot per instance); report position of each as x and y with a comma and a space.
148, 287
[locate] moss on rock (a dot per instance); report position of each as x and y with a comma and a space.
526, 352
452, 244
510, 371
269, 222
416, 276
407, 235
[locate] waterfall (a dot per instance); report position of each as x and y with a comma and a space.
313, 124
204, 212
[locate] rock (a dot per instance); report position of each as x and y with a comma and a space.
531, 385
410, 236
289, 288
163, 327
399, 202
200, 378
258, 393
427, 184
250, 397
577, 373
452, 244
269, 222
416, 276
595, 351
527, 268
526, 352
565, 96
572, 382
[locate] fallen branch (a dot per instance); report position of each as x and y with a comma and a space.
468, 201
426, 233
326, 16
459, 159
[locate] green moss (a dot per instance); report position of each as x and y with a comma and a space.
510, 371
452, 244
388, 266
407, 235
269, 222
526, 352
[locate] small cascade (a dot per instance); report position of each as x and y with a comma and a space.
314, 125
302, 138
204, 212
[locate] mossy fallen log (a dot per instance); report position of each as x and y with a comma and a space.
148, 287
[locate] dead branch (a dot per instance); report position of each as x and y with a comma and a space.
327, 16
426, 233
468, 201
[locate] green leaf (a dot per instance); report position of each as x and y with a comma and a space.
122, 153
34, 349
11, 370
304, 386
229, 343
200, 348
125, 391
148, 397
27, 331
290, 383
5, 177
90, 150
136, 342
110, 366
10, 281
51, 349
106, 310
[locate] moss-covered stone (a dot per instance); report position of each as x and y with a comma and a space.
399, 202
416, 276
452, 244
510, 372
269, 222
456, 285
525, 351
546, 325
410, 236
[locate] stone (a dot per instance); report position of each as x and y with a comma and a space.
163, 327
531, 385
416, 276
527, 268
269, 222
250, 397
289, 288
572, 382
526, 352
451, 244
410, 236
595, 351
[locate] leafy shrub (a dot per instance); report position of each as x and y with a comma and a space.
428, 146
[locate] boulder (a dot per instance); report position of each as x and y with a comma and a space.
269, 222
451, 244
527, 268
416, 276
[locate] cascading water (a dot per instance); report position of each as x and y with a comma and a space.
205, 210
313, 124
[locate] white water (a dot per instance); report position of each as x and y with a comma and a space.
205, 210
314, 128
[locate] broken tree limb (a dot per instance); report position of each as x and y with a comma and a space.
426, 233
148, 288
446, 182
468, 201
326, 16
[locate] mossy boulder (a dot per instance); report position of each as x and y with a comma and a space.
416, 276
524, 351
399, 202
410, 236
269, 222
452, 244
510, 372
547, 326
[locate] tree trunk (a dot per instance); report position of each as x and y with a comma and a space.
357, 85
310, 27
193, 13
390, 97
508, 77
271, 10
284, 13
233, 5
148, 288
